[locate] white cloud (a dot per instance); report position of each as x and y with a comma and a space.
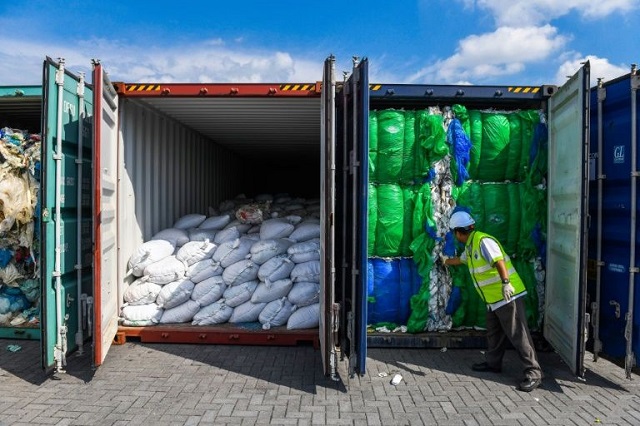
500, 53
535, 12
208, 61
600, 67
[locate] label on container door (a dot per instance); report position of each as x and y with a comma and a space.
614, 267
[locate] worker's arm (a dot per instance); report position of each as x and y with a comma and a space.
502, 269
452, 261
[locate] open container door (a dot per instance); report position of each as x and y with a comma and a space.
352, 213
328, 308
106, 279
567, 233
67, 104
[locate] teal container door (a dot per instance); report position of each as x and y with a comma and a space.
66, 212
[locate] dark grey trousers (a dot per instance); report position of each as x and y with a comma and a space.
509, 323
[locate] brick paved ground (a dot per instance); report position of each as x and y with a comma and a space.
160, 384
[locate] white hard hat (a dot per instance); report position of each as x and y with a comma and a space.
460, 219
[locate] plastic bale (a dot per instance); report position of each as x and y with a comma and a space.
530, 119
405, 289
475, 134
408, 173
372, 219
373, 146
390, 220
495, 142
497, 210
471, 197
385, 305
390, 145
515, 216
409, 196
533, 204
432, 139
514, 156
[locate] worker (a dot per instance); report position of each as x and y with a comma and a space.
503, 292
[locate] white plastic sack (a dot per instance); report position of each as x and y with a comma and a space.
237, 295
264, 250
276, 313
148, 253
241, 227
305, 231
189, 221
305, 317
276, 228
195, 251
208, 291
307, 271
141, 292
240, 272
305, 251
233, 251
304, 294
276, 268
215, 313
180, 313
175, 293
247, 312
141, 315
216, 222
204, 269
293, 219
197, 234
228, 234
268, 292
165, 271
177, 237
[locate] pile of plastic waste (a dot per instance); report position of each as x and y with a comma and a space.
20, 154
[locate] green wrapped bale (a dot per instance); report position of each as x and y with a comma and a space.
471, 197
494, 150
373, 145
514, 152
526, 271
530, 120
475, 128
408, 173
515, 216
391, 128
390, 225
409, 201
497, 211
372, 219
472, 310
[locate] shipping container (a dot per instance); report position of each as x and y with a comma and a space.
154, 152
613, 258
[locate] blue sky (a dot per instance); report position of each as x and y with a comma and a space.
406, 41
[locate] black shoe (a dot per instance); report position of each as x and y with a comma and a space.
483, 366
527, 385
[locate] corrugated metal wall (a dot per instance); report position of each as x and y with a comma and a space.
167, 170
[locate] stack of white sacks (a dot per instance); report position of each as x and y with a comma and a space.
234, 266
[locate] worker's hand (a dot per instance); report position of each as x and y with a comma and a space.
507, 291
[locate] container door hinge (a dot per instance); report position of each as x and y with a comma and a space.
635, 173
617, 308
634, 270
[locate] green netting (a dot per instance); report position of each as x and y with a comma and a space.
409, 150
433, 138
463, 116
390, 224
373, 145
409, 201
373, 219
390, 145
514, 152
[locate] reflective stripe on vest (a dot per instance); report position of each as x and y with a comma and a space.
486, 277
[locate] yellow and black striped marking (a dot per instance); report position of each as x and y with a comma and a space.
375, 86
301, 87
143, 88
524, 89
